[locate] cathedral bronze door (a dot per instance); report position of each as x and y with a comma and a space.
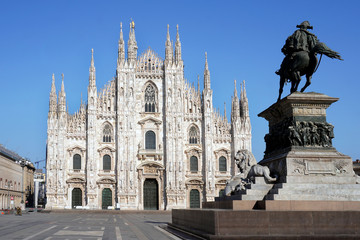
76, 197
106, 198
151, 195
194, 199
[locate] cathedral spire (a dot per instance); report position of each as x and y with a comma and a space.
225, 117
206, 74
235, 90
53, 88
198, 83
62, 96
244, 103
243, 92
121, 50
53, 96
235, 107
62, 84
177, 46
92, 76
168, 47
82, 105
132, 45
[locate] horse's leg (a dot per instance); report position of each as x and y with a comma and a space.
293, 83
308, 82
282, 82
295, 79
298, 79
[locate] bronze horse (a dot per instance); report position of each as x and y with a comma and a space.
302, 63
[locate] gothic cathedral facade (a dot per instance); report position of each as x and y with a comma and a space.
147, 140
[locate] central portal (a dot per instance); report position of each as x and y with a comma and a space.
151, 194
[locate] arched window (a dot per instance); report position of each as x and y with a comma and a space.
194, 164
107, 133
106, 162
193, 135
222, 164
150, 98
77, 162
150, 140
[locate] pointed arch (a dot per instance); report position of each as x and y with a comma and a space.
107, 132
150, 97
194, 134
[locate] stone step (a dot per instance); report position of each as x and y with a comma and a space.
260, 186
262, 192
315, 191
315, 186
259, 180
253, 197
313, 197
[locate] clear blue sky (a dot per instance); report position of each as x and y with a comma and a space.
242, 38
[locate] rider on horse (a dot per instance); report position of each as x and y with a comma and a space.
300, 51
300, 40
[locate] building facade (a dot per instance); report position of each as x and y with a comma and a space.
147, 140
16, 180
39, 188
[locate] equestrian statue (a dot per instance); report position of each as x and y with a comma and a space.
300, 59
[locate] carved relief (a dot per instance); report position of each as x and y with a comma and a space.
340, 166
75, 180
299, 166
106, 181
150, 169
299, 133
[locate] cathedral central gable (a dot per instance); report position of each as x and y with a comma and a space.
150, 62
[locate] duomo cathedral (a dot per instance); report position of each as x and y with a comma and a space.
147, 140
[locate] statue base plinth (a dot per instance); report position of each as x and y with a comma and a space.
316, 195
269, 224
299, 152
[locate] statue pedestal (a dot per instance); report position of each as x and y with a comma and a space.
316, 195
299, 151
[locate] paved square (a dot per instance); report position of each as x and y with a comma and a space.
75, 225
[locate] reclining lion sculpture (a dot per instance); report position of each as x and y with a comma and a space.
249, 169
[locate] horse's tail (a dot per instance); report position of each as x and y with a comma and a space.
321, 48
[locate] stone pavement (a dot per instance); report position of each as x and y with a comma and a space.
86, 225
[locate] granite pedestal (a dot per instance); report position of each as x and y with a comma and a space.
315, 196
